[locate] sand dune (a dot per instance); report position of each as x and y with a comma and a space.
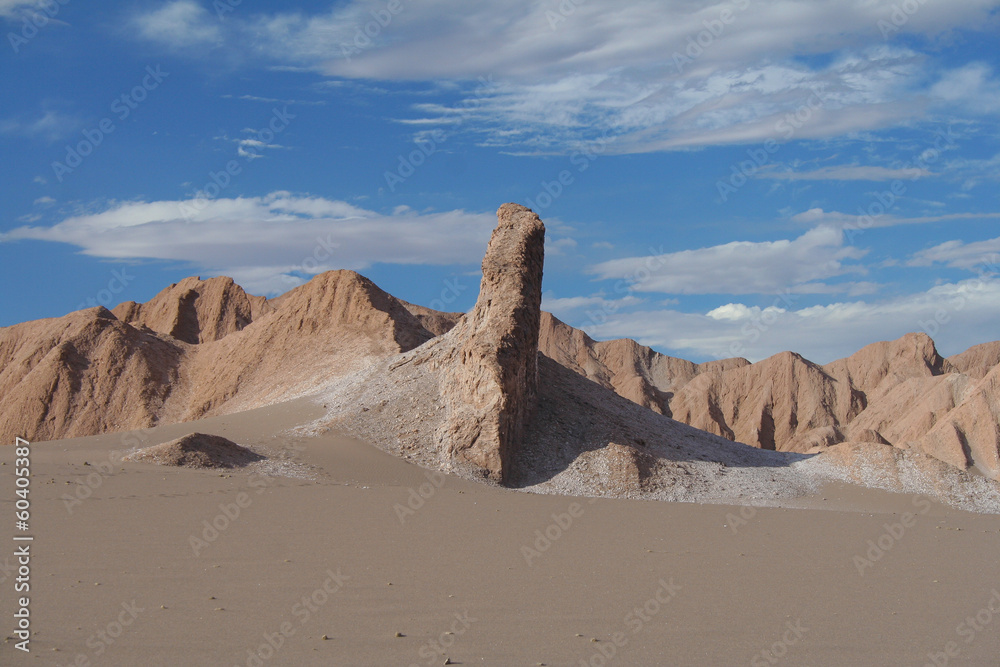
387, 547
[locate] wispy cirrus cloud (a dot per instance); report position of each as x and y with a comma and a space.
50, 126
844, 173
980, 256
274, 100
817, 216
19, 9
656, 76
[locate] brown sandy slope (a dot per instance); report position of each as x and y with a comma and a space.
81, 374
901, 393
197, 348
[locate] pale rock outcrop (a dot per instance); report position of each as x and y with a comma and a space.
876, 369
436, 322
461, 401
767, 404
196, 450
634, 371
969, 435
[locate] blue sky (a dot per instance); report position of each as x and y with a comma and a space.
717, 179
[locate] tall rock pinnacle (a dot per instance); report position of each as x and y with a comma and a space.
492, 381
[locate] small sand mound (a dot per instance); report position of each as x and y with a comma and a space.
197, 450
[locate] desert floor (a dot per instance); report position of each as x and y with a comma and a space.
356, 554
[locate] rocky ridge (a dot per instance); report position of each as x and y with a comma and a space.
93, 371
900, 393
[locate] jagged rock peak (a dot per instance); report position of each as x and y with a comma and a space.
196, 311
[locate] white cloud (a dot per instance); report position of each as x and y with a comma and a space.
51, 126
264, 242
737, 312
19, 9
957, 315
566, 307
554, 246
973, 86
517, 39
980, 256
845, 173
248, 147
860, 222
742, 267
179, 24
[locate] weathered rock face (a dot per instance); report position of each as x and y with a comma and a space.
196, 311
969, 435
82, 374
491, 382
900, 393
634, 371
978, 360
462, 401
434, 321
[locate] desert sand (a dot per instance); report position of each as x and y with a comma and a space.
456, 561
336, 476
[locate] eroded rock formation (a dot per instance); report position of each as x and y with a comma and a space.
492, 381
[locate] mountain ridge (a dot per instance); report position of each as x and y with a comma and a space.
206, 347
